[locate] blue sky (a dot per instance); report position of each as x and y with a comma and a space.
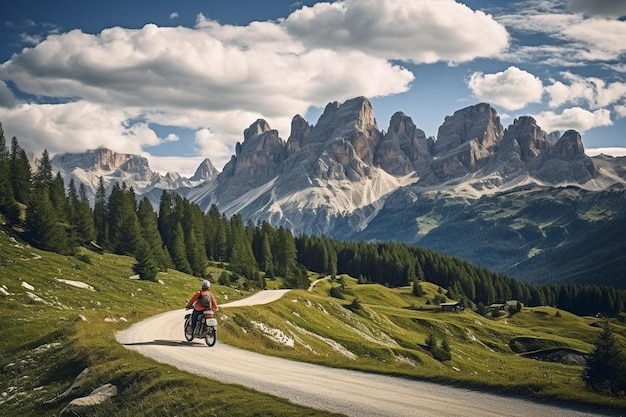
179, 81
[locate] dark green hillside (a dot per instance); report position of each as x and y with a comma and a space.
535, 234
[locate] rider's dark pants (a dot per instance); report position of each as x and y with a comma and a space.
194, 319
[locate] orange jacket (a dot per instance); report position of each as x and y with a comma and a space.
199, 307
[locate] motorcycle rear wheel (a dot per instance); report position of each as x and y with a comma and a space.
211, 337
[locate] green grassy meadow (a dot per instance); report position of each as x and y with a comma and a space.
47, 342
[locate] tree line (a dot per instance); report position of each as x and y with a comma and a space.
181, 236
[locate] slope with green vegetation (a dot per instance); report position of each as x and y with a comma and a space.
50, 337
53, 329
388, 331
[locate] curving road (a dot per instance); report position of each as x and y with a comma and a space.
352, 393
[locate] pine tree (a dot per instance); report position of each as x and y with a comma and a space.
83, 218
178, 252
242, 259
165, 219
42, 179
150, 231
43, 228
267, 264
20, 172
8, 204
145, 265
192, 221
100, 215
124, 229
605, 371
58, 198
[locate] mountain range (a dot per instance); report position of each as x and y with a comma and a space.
518, 199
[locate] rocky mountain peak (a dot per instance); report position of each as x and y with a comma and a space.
256, 162
530, 138
100, 159
565, 162
465, 142
300, 132
347, 119
569, 146
479, 123
205, 171
255, 129
402, 147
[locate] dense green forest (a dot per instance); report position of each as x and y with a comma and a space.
181, 236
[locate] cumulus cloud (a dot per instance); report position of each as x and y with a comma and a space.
212, 76
512, 89
7, 98
423, 31
614, 151
595, 92
172, 137
603, 38
599, 7
620, 109
573, 118
75, 127
173, 15
212, 144
183, 165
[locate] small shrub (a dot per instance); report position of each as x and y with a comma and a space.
355, 305
441, 352
224, 278
84, 257
417, 289
336, 293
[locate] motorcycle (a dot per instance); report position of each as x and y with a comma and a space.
206, 327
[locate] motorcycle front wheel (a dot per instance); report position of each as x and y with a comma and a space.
188, 331
211, 337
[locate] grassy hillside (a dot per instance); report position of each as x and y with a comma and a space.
49, 337
388, 334
45, 343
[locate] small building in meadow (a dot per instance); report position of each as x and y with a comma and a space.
451, 306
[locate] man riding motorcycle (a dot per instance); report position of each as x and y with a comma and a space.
202, 300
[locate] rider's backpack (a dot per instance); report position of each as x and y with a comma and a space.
205, 300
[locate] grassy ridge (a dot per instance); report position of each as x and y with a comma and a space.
45, 345
388, 335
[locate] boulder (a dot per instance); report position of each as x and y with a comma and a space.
97, 396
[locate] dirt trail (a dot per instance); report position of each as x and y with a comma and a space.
343, 391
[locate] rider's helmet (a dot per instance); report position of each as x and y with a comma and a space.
206, 285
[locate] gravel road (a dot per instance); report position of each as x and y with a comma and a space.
352, 393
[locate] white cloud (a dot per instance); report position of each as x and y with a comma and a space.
171, 137
7, 98
212, 76
599, 7
594, 91
620, 109
423, 31
173, 15
75, 127
614, 151
580, 39
183, 165
573, 118
211, 144
604, 38
512, 89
